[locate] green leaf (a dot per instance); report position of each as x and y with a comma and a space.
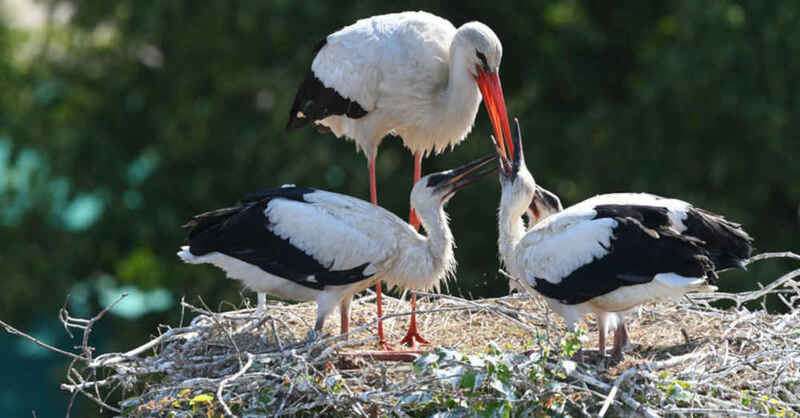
497, 410
446, 354
451, 375
503, 388
416, 398
201, 399
468, 380
424, 362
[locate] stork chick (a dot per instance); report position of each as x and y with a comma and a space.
610, 253
306, 244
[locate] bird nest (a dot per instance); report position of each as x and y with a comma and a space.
503, 356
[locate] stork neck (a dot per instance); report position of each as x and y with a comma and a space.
511, 229
461, 97
432, 256
439, 236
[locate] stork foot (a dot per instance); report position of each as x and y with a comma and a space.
412, 337
381, 339
412, 340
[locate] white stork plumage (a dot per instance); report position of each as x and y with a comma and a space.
412, 74
306, 244
610, 253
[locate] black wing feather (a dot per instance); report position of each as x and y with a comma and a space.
728, 244
636, 255
245, 233
652, 217
316, 101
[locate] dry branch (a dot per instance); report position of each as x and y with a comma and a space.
692, 359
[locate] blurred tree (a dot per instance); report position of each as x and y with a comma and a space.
118, 125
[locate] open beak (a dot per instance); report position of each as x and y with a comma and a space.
509, 167
489, 84
458, 178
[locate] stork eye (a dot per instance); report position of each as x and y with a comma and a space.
435, 179
482, 57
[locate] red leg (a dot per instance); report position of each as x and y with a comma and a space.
344, 309
373, 194
412, 215
373, 188
616, 353
625, 339
601, 337
412, 336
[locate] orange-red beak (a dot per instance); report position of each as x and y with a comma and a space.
489, 84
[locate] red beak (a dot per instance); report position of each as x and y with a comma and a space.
489, 84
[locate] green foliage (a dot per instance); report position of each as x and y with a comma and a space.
495, 384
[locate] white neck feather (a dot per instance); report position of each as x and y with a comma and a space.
461, 96
511, 228
449, 110
454, 108
428, 260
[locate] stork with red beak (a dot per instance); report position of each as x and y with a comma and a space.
411, 74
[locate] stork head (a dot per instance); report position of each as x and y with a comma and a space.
434, 190
487, 51
544, 204
517, 183
482, 52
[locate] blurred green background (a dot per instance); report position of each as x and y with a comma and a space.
121, 119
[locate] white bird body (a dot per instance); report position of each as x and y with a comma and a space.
610, 253
306, 244
561, 244
256, 279
406, 74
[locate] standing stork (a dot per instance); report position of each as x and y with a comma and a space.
612, 252
412, 74
306, 244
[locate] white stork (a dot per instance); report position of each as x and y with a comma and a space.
610, 253
412, 74
306, 244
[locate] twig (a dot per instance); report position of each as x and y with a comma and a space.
11, 330
225, 381
613, 392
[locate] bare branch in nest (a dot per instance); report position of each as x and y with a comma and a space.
691, 358
11, 330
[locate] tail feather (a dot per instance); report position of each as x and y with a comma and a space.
186, 255
726, 242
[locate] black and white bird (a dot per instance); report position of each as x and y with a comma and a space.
305, 244
610, 253
411, 74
